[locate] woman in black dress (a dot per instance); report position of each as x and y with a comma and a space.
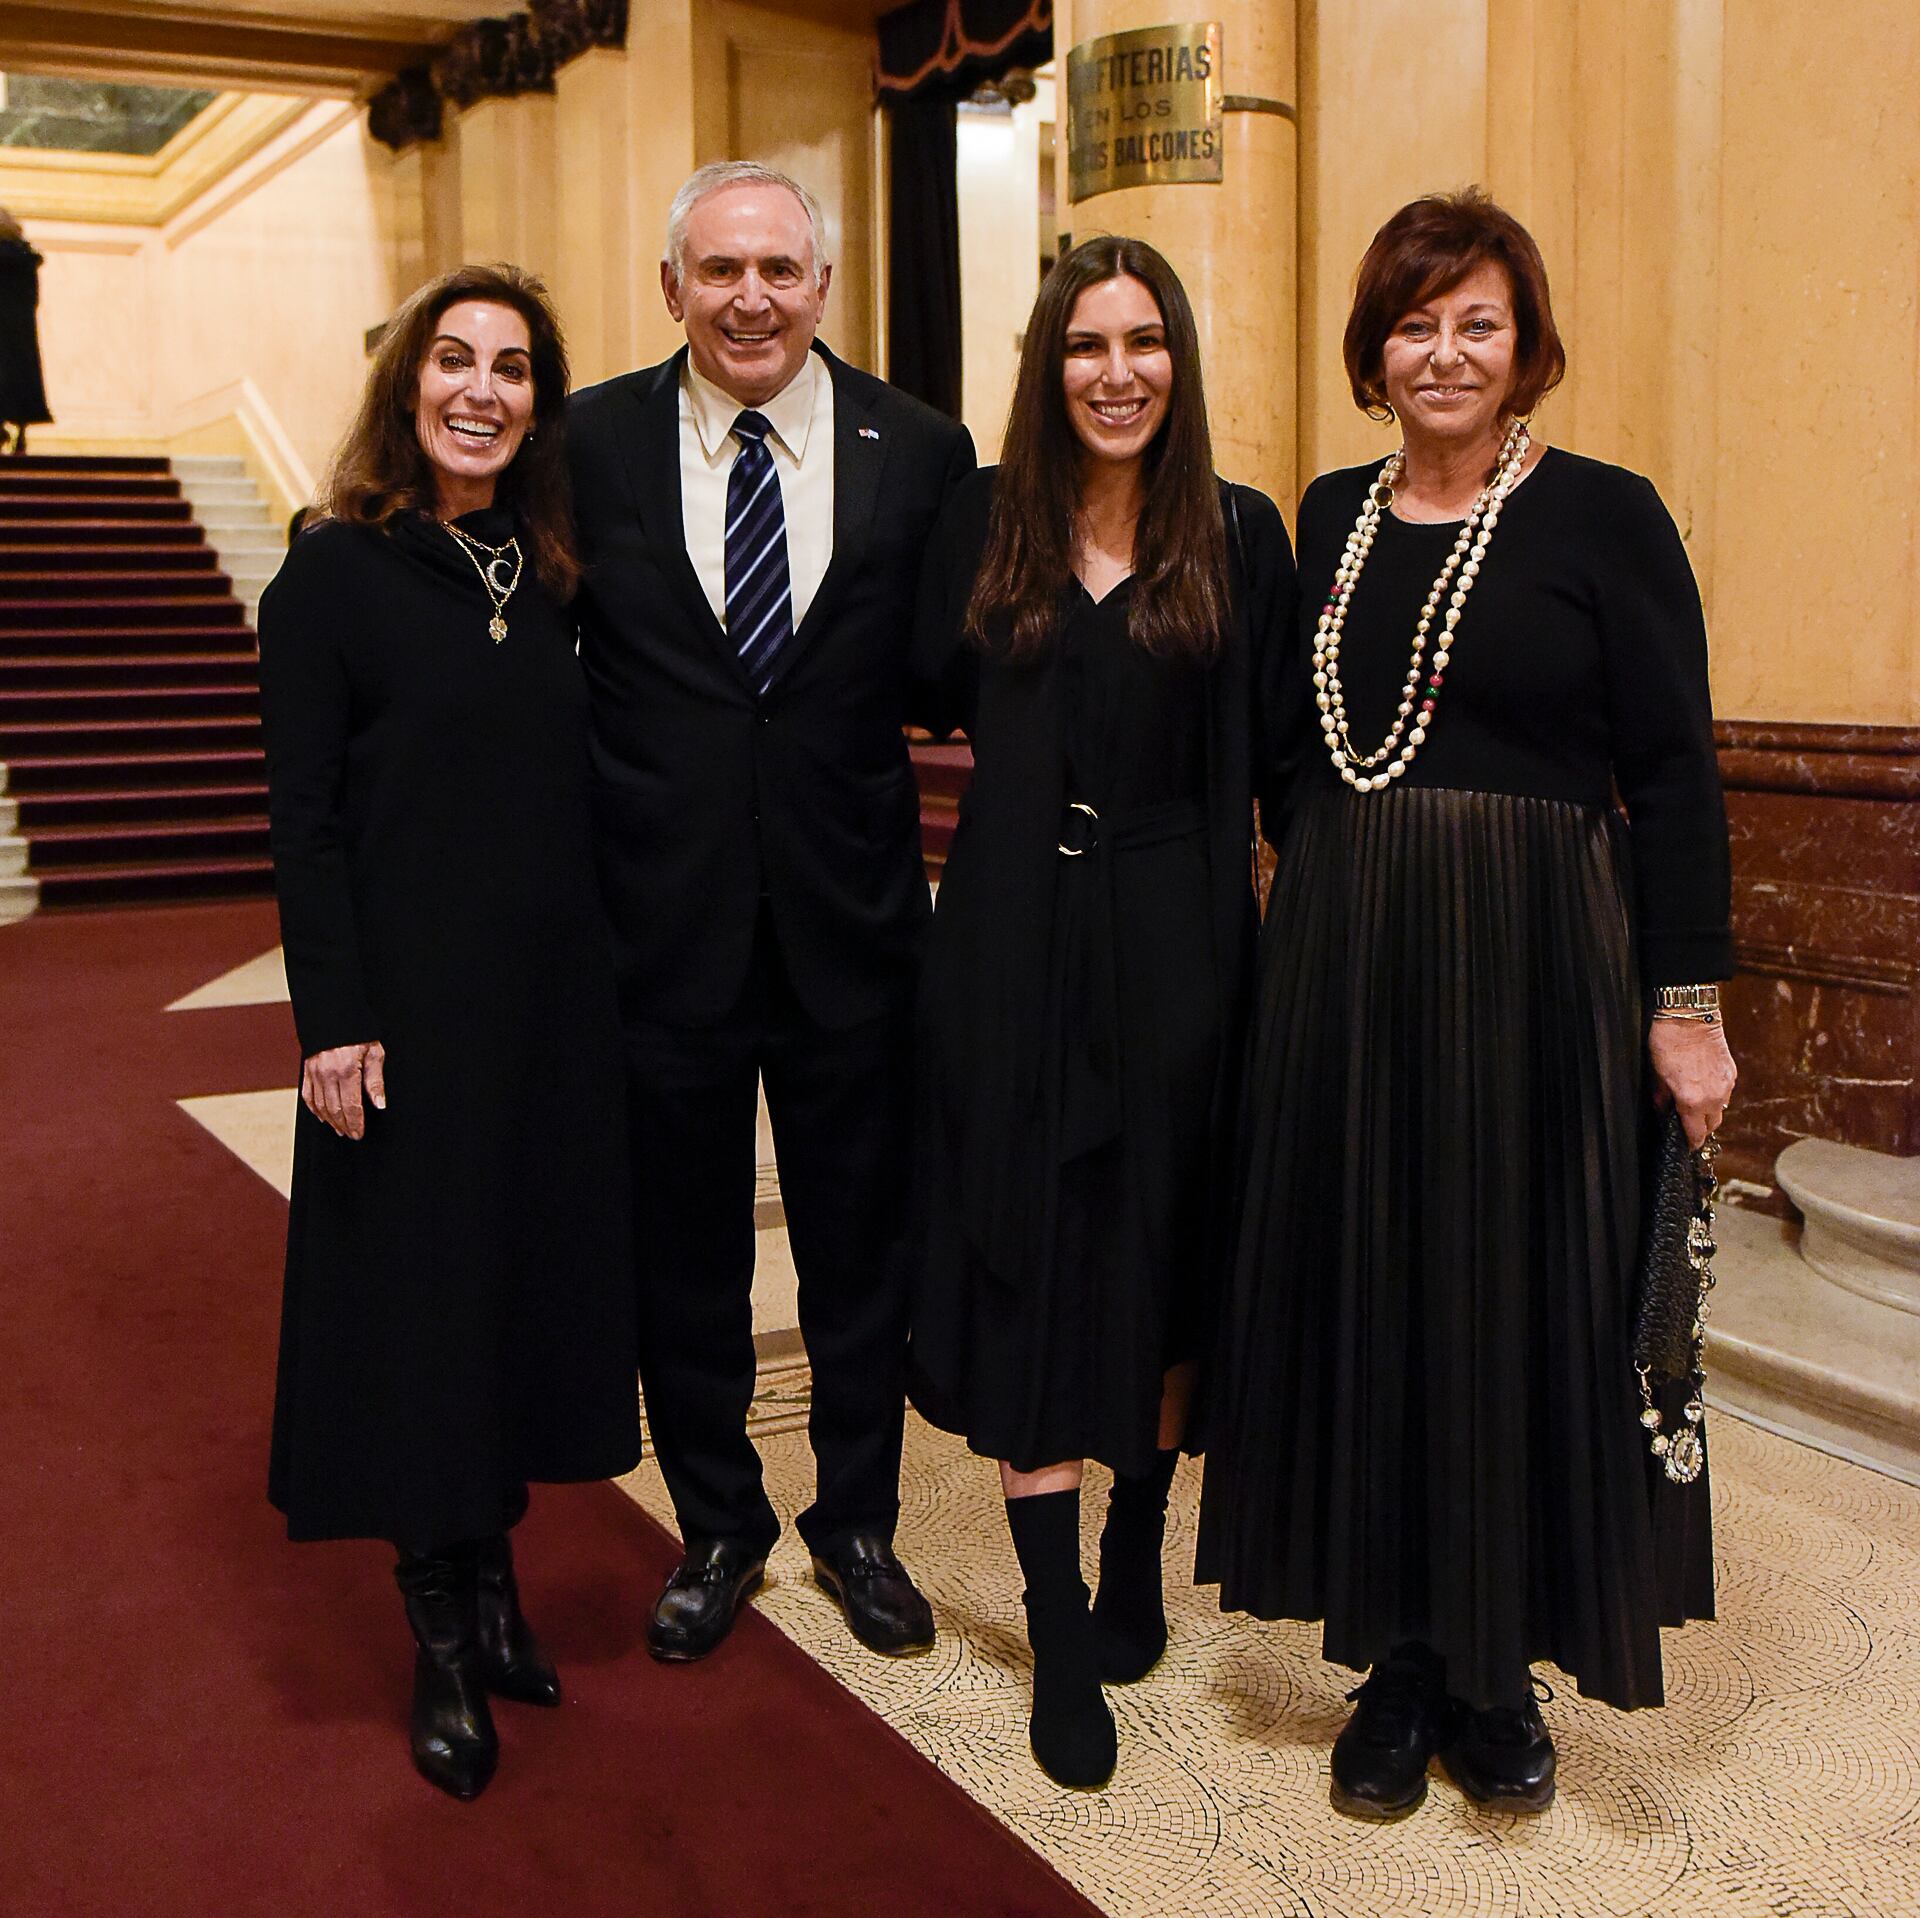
1095, 614
1427, 1425
23, 395
459, 1313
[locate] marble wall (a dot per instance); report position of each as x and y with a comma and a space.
1825, 1013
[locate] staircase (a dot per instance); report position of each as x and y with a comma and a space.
1815, 1329
247, 545
942, 774
129, 691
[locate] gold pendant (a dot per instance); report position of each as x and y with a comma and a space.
498, 628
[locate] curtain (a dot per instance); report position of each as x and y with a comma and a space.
932, 54
923, 231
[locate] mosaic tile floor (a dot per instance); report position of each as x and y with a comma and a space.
1782, 1781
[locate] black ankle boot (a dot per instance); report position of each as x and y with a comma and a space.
1130, 1613
1502, 1757
511, 1659
1071, 1730
1379, 1767
451, 1729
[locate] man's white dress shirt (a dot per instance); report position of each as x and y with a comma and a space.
801, 440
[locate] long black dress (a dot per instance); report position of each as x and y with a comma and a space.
1425, 1418
459, 1310
1081, 1012
23, 394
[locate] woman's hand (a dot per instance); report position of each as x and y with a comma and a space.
330, 1086
1695, 1072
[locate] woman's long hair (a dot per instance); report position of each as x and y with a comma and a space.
1179, 606
381, 470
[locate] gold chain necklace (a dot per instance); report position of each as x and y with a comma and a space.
496, 556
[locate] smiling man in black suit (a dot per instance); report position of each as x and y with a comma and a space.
753, 514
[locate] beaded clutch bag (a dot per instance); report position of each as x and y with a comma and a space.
1673, 1278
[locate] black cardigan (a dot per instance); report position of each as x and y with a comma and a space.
1580, 669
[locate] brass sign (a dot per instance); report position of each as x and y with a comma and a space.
1143, 109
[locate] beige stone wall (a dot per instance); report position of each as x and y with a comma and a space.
248, 306
1725, 193
576, 185
999, 166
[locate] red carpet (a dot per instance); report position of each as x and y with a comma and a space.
202, 1719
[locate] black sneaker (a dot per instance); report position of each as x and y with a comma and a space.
1379, 1767
1503, 1757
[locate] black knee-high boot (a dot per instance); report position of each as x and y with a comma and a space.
1071, 1730
451, 1729
1130, 1614
512, 1660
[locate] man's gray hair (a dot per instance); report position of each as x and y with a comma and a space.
718, 174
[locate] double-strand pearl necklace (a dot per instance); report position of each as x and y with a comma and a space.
1416, 711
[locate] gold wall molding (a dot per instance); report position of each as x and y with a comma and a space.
120, 189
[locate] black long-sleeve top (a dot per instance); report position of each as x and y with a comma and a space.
1578, 671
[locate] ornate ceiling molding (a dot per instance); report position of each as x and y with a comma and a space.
492, 59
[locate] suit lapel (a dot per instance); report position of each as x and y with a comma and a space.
649, 439
859, 460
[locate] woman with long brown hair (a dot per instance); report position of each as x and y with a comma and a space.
1096, 616
459, 1314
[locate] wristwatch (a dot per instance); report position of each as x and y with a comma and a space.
1688, 1002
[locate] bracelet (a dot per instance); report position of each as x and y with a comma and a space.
1686, 999
1702, 1018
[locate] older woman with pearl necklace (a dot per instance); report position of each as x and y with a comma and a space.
1499, 911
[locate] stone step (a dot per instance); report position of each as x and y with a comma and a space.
238, 524
1791, 1352
195, 466
234, 519
13, 856
9, 816
18, 898
220, 492
1862, 1212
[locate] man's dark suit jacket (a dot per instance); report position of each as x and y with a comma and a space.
708, 796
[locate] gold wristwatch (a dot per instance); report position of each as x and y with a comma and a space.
1698, 1003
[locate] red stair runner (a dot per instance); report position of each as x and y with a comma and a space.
942, 773
129, 690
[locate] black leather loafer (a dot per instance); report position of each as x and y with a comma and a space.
695, 1610
882, 1606
1379, 1767
1503, 1757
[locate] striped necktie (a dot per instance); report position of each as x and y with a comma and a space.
759, 592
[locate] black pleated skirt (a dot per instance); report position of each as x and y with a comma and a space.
1422, 1417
